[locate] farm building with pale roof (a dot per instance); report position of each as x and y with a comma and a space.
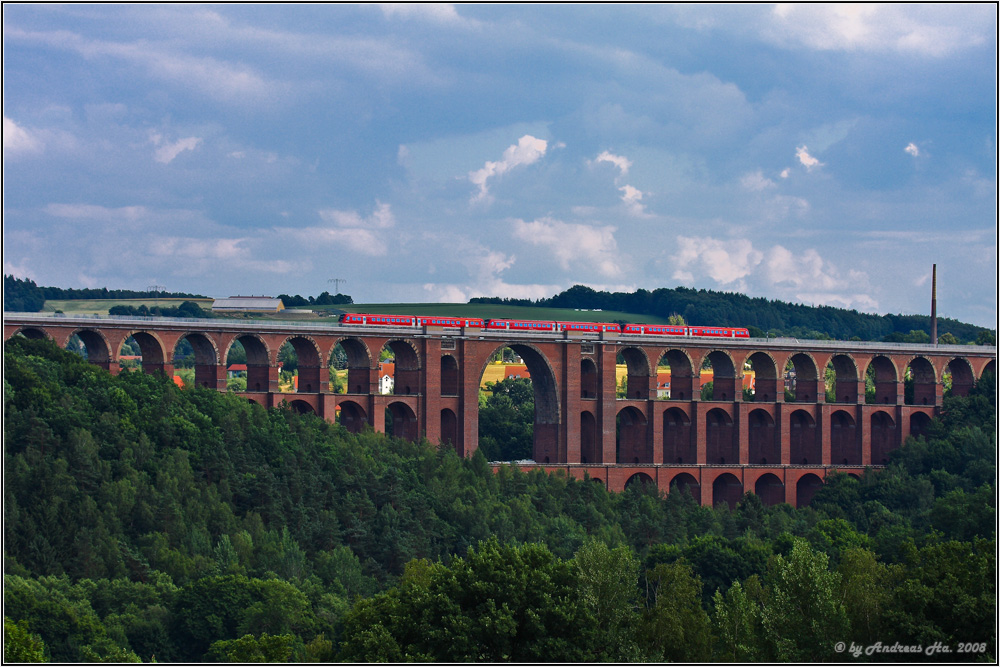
248, 304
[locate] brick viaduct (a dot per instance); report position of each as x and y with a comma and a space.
716, 450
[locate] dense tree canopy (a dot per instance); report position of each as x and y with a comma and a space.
143, 521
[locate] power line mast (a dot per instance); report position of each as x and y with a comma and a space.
156, 289
336, 283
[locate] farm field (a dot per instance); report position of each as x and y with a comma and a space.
101, 306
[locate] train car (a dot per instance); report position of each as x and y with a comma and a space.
719, 332
520, 325
542, 325
594, 327
656, 329
379, 320
452, 322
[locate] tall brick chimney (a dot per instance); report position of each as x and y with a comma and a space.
934, 305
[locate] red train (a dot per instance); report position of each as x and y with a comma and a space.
541, 325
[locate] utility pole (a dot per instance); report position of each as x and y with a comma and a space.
336, 283
156, 289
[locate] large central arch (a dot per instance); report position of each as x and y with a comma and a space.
546, 445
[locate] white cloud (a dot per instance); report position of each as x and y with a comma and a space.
436, 13
756, 181
18, 141
447, 293
633, 200
725, 262
94, 212
783, 268
209, 76
166, 152
912, 149
736, 264
381, 218
926, 30
526, 151
786, 172
573, 244
620, 161
348, 229
808, 161
361, 241
485, 267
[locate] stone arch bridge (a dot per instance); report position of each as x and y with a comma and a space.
778, 446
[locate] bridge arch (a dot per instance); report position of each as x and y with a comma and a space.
449, 375
721, 446
765, 370
885, 378
590, 449
308, 362
352, 416
97, 346
844, 387
637, 363
845, 440
358, 360
641, 479
801, 387
632, 444
919, 422
206, 358
588, 379
723, 375
764, 444
32, 333
150, 347
883, 437
727, 488
406, 381
920, 372
681, 373
804, 442
258, 361
400, 421
770, 489
301, 407
548, 410
678, 443
685, 482
449, 431
806, 488
962, 377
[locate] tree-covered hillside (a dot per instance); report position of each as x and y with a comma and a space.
762, 316
143, 521
23, 295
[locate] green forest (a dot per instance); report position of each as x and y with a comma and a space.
144, 522
763, 317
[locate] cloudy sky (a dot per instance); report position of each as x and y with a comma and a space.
815, 154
